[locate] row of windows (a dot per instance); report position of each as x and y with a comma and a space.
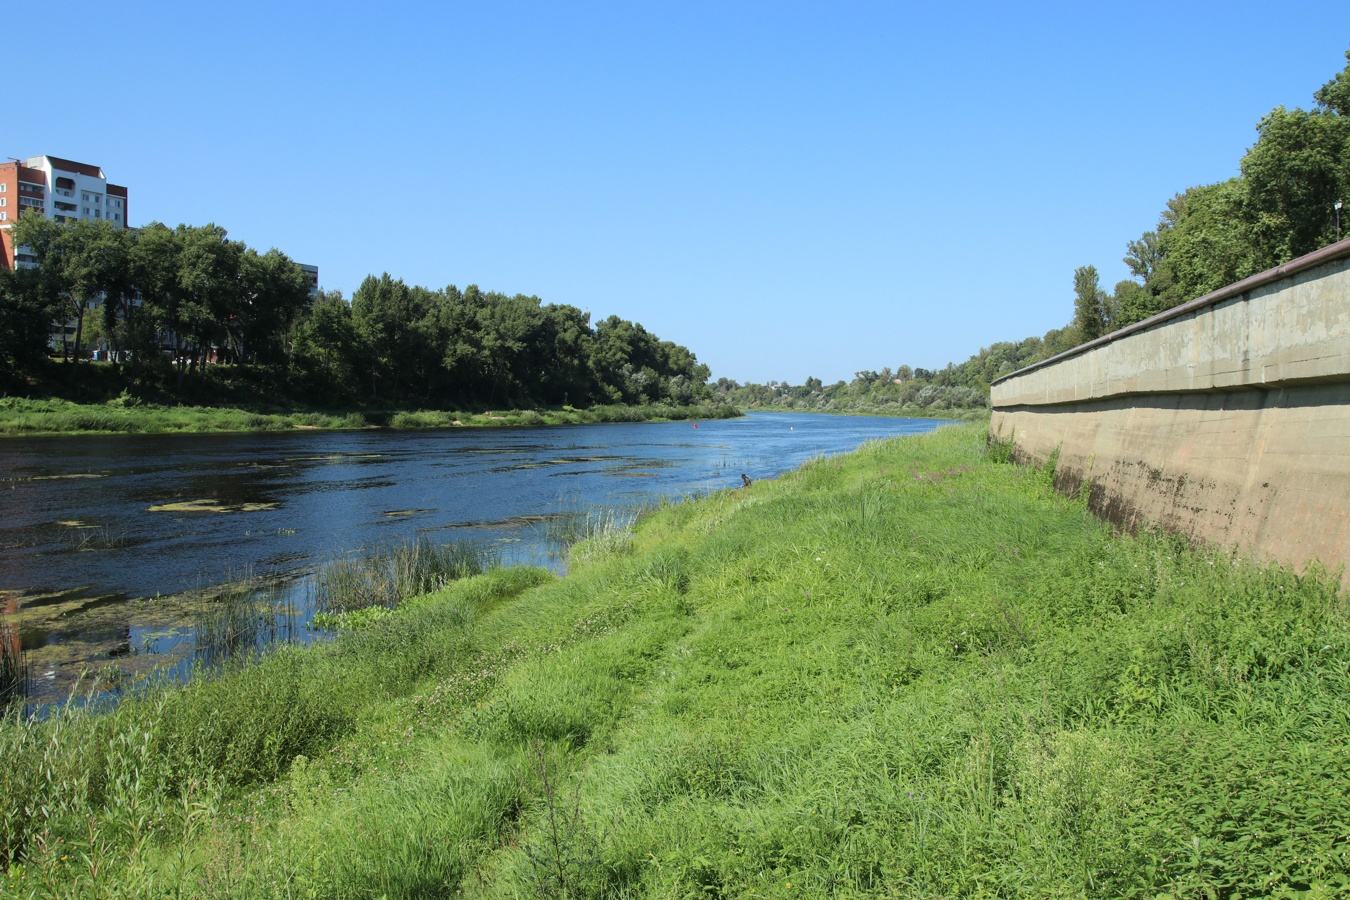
98, 198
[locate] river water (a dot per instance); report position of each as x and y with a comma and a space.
92, 526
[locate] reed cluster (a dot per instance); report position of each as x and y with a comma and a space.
385, 576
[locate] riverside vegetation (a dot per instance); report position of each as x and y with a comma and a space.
208, 334
125, 414
915, 670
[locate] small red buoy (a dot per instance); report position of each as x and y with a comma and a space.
695, 424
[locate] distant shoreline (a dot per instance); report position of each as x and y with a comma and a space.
955, 415
21, 417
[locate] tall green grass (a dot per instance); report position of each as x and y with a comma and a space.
244, 618
912, 671
382, 577
15, 670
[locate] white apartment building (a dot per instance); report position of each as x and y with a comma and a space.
59, 189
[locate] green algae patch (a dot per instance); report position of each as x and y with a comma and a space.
210, 506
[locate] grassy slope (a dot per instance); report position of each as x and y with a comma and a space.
909, 671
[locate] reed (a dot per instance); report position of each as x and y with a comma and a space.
242, 620
15, 671
385, 576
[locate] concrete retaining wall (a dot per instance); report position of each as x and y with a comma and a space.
1226, 419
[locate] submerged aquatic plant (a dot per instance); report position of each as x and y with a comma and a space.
242, 620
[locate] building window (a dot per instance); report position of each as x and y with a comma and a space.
4, 201
4, 216
3, 188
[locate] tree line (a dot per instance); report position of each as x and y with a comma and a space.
1281, 206
171, 301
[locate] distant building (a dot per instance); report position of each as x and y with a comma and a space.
66, 191
59, 189
312, 273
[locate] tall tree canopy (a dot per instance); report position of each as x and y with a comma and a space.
189, 296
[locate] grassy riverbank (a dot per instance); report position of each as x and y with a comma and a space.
123, 415
914, 670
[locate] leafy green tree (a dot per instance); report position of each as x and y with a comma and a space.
328, 347
1208, 242
1334, 96
273, 291
209, 278
79, 263
1090, 315
1297, 170
154, 267
25, 321
1134, 303
386, 312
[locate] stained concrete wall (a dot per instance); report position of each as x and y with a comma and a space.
1226, 419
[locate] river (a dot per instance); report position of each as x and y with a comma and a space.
98, 533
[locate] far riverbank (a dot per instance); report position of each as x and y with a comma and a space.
887, 410
123, 415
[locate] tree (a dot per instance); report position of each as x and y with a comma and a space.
273, 291
1208, 243
1134, 303
1089, 306
327, 345
209, 269
154, 267
79, 263
1334, 96
1296, 171
25, 320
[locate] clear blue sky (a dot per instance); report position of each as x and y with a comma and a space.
787, 189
